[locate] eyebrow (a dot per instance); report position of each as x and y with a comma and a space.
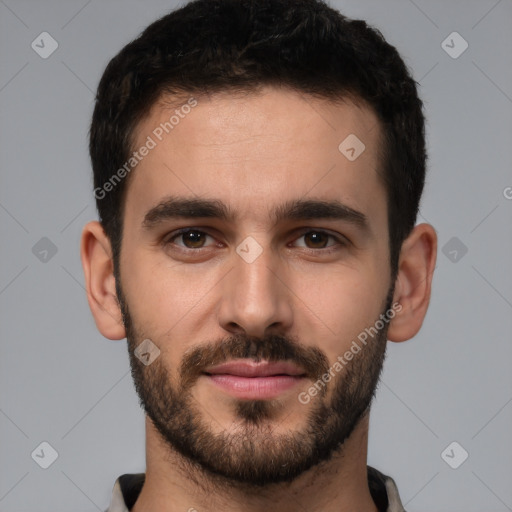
299, 209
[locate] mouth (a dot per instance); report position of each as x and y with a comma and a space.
246, 379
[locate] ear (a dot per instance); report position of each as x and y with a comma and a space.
413, 283
97, 262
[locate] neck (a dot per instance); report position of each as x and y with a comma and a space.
338, 485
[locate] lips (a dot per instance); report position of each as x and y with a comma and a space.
245, 379
246, 368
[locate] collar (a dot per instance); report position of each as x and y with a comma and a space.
382, 489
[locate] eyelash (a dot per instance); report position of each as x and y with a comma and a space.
340, 241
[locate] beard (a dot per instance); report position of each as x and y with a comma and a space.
250, 454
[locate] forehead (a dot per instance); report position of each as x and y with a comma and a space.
258, 150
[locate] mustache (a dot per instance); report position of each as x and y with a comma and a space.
271, 348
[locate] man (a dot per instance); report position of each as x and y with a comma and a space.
258, 166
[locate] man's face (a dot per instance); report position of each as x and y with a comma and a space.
280, 278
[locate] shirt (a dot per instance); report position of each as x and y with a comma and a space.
382, 489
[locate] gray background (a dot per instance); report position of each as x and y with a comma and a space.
62, 382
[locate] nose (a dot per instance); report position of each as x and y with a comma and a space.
255, 298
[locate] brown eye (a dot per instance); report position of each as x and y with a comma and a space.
317, 239
190, 239
193, 239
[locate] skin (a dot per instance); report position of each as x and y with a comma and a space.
253, 153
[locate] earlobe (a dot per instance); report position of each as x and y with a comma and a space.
97, 263
414, 281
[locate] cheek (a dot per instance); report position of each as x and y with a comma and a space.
166, 297
338, 307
